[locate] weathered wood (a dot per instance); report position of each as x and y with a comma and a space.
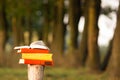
35, 72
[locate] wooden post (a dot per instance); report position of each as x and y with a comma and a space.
35, 72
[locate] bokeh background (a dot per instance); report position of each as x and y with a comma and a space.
83, 36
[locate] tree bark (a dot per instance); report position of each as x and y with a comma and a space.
46, 22
29, 20
15, 31
58, 32
74, 16
20, 30
93, 61
83, 46
3, 31
114, 63
3, 24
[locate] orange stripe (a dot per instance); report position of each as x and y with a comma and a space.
28, 50
40, 62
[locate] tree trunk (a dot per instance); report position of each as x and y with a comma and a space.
30, 29
93, 61
20, 30
29, 20
74, 16
114, 63
83, 47
3, 31
3, 24
58, 32
15, 31
46, 22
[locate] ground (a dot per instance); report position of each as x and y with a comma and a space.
51, 74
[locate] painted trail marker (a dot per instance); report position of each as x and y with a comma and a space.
36, 56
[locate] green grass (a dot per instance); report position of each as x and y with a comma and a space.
51, 74
13, 74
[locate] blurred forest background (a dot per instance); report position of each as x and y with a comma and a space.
80, 33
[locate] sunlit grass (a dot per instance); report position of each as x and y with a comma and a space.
13, 74
51, 74
72, 74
